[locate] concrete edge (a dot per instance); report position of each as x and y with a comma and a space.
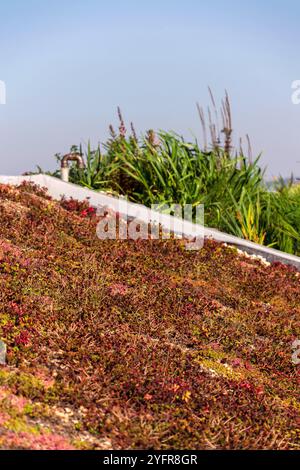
58, 188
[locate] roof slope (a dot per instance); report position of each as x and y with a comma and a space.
122, 344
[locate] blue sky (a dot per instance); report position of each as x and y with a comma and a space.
67, 65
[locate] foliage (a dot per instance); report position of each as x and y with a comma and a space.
133, 345
166, 169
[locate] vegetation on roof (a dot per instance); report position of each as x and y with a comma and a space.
164, 168
139, 344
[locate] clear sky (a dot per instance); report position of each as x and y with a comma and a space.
68, 64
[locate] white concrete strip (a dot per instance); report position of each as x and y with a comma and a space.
58, 188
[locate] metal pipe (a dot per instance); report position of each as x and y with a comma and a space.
70, 157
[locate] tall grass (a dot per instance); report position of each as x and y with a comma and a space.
165, 168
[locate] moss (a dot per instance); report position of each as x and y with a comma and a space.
19, 425
141, 344
81, 445
222, 370
23, 383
